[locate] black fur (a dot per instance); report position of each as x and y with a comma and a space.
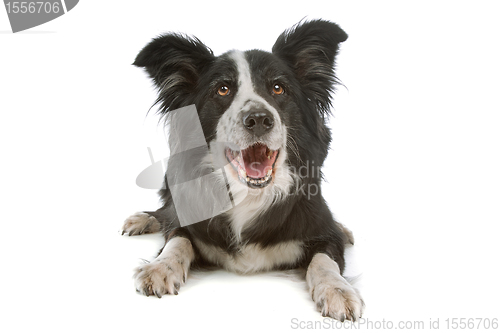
302, 60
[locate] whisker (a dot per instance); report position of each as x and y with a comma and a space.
293, 147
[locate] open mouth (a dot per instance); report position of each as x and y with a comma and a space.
254, 165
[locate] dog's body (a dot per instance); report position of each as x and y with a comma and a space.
270, 109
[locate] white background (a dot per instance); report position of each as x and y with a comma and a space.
413, 170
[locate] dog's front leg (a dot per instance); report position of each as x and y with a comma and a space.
168, 271
333, 295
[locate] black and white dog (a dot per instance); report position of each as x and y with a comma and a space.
272, 108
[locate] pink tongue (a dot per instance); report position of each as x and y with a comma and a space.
256, 162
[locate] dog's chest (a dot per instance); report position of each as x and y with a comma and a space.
245, 257
252, 257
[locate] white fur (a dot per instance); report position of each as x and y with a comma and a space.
333, 295
168, 271
140, 223
249, 203
253, 258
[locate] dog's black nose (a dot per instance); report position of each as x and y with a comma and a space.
258, 122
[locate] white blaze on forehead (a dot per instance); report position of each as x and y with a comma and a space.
244, 76
246, 92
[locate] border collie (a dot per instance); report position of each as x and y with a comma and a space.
263, 117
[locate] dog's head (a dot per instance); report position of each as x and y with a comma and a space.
267, 108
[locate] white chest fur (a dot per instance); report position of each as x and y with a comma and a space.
252, 258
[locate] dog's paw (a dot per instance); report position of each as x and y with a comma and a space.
161, 276
339, 300
140, 223
348, 234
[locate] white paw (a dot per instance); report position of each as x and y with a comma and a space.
166, 273
333, 295
160, 277
140, 223
339, 300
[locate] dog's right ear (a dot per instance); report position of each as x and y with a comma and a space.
174, 62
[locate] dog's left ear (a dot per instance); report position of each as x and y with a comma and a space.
310, 49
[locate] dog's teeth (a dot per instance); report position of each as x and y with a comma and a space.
242, 172
258, 181
269, 172
269, 154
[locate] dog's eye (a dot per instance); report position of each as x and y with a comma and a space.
223, 90
278, 89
